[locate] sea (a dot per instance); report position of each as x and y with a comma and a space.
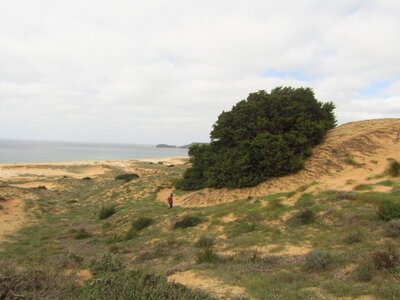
18, 151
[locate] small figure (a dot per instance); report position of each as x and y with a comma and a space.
170, 200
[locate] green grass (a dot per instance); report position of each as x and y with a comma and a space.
245, 252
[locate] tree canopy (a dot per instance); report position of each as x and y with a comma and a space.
267, 135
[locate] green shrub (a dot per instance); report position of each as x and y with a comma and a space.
350, 161
392, 228
344, 195
86, 178
387, 183
106, 212
363, 187
302, 218
82, 234
305, 200
389, 209
135, 284
107, 263
386, 258
126, 177
42, 187
207, 255
114, 238
188, 221
131, 233
317, 260
353, 237
204, 242
394, 168
267, 135
141, 223
363, 273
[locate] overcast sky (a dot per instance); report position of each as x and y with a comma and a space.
162, 71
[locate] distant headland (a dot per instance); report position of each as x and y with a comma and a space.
183, 147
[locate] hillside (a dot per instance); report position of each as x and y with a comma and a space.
354, 151
72, 231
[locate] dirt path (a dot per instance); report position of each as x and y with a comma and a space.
213, 285
11, 217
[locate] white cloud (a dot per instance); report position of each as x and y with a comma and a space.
162, 71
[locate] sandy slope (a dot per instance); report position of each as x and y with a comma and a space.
369, 143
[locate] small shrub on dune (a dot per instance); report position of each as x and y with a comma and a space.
188, 221
353, 237
87, 178
386, 258
107, 263
1, 207
106, 212
301, 218
389, 210
305, 200
127, 177
392, 228
363, 273
82, 234
42, 187
344, 195
394, 168
207, 256
204, 242
317, 260
130, 234
141, 223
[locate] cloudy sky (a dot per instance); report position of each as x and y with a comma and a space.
162, 71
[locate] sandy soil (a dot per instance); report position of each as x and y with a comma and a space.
213, 285
12, 216
369, 143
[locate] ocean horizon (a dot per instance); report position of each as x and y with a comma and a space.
26, 151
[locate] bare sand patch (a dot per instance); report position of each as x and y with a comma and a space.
12, 216
212, 285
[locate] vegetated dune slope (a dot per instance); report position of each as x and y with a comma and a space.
351, 154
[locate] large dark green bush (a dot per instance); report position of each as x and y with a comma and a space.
389, 209
266, 135
106, 212
126, 177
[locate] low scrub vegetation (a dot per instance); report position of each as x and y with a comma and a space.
82, 234
141, 223
127, 177
394, 168
300, 218
389, 209
204, 242
386, 258
187, 221
317, 260
392, 228
106, 212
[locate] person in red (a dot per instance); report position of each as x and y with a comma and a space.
170, 200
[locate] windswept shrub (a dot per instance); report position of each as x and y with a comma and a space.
363, 273
107, 263
207, 255
394, 168
42, 187
82, 234
363, 187
106, 212
301, 218
353, 237
386, 258
392, 228
127, 177
389, 209
131, 233
305, 200
87, 178
141, 223
267, 135
345, 195
204, 242
317, 260
188, 221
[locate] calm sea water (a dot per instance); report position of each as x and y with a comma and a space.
35, 151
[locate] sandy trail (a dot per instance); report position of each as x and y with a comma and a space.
213, 285
12, 217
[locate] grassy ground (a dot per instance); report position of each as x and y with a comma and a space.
261, 244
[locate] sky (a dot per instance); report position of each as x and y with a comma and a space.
150, 72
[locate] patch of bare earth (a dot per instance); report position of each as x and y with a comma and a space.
211, 285
12, 216
355, 150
